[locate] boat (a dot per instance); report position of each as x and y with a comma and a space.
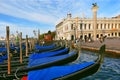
68, 72
3, 50
48, 54
15, 50
15, 58
3, 55
57, 48
42, 63
36, 56
51, 61
39, 48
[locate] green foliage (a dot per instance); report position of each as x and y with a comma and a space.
49, 32
53, 34
41, 36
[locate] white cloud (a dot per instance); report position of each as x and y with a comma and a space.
42, 10
49, 11
25, 13
20, 28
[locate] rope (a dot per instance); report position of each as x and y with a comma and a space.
4, 75
17, 71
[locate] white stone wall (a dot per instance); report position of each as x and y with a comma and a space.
106, 26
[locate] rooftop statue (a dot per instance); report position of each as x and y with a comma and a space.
94, 4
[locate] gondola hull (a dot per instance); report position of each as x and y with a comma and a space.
44, 63
70, 72
36, 56
16, 58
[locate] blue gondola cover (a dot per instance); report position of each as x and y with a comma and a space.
1, 61
46, 60
37, 47
3, 50
47, 54
56, 71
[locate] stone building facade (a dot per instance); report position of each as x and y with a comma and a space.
82, 28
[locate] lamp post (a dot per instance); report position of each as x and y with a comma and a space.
75, 28
37, 36
81, 35
74, 33
76, 21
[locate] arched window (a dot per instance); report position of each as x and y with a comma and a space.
101, 26
112, 26
97, 36
112, 34
89, 35
101, 34
104, 26
80, 26
89, 26
72, 37
81, 36
84, 26
71, 26
97, 26
115, 34
119, 33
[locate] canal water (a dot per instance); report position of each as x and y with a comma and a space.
109, 70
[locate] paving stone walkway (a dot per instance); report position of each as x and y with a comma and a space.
111, 44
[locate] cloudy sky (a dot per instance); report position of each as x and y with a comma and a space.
28, 15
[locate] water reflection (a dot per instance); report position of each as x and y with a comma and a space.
110, 68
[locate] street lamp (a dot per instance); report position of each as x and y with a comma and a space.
81, 35
75, 28
74, 33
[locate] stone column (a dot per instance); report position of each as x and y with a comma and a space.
110, 26
94, 9
117, 26
107, 26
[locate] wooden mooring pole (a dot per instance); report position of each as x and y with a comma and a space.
30, 44
33, 43
38, 36
8, 48
26, 45
20, 47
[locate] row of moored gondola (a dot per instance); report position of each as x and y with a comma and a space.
48, 63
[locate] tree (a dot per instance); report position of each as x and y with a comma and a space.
53, 34
49, 32
41, 36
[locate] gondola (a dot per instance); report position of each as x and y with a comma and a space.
44, 48
38, 49
57, 48
16, 58
42, 63
3, 50
36, 56
3, 54
69, 72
